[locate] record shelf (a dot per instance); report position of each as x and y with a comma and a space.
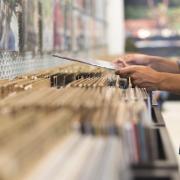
35, 106
63, 121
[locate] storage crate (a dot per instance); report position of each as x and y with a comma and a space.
157, 117
155, 175
166, 157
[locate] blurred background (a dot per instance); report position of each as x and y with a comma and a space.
153, 26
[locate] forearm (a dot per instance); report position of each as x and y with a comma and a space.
164, 65
169, 82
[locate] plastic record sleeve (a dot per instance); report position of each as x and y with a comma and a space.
92, 62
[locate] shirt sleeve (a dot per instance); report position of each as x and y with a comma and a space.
178, 63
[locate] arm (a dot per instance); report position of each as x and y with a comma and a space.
157, 63
164, 65
146, 77
170, 82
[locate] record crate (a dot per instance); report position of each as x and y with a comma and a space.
62, 79
157, 117
166, 159
155, 175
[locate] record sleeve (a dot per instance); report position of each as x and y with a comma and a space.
9, 28
100, 9
87, 7
100, 33
47, 18
58, 15
89, 61
68, 25
79, 4
31, 25
78, 32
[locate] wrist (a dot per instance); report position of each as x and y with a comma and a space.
155, 60
164, 80
162, 64
178, 64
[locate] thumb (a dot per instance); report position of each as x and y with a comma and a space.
120, 64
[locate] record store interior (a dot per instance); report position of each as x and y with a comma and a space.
89, 89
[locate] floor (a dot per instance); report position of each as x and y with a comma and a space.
171, 114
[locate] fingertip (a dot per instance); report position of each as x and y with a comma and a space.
117, 72
124, 63
115, 61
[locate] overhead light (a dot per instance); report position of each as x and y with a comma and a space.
166, 33
143, 33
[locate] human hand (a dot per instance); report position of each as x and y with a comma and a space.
133, 59
142, 76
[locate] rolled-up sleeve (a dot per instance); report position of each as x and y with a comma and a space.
178, 63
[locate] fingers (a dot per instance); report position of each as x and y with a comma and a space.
120, 63
134, 59
130, 59
138, 83
121, 75
127, 70
119, 60
143, 77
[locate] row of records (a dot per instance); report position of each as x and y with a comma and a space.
48, 25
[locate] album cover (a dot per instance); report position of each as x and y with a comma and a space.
80, 4
87, 6
31, 25
88, 31
9, 29
47, 25
93, 33
100, 9
78, 31
93, 7
100, 33
89, 61
58, 14
68, 25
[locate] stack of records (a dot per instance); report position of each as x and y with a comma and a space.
74, 123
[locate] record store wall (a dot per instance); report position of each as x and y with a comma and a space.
31, 30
